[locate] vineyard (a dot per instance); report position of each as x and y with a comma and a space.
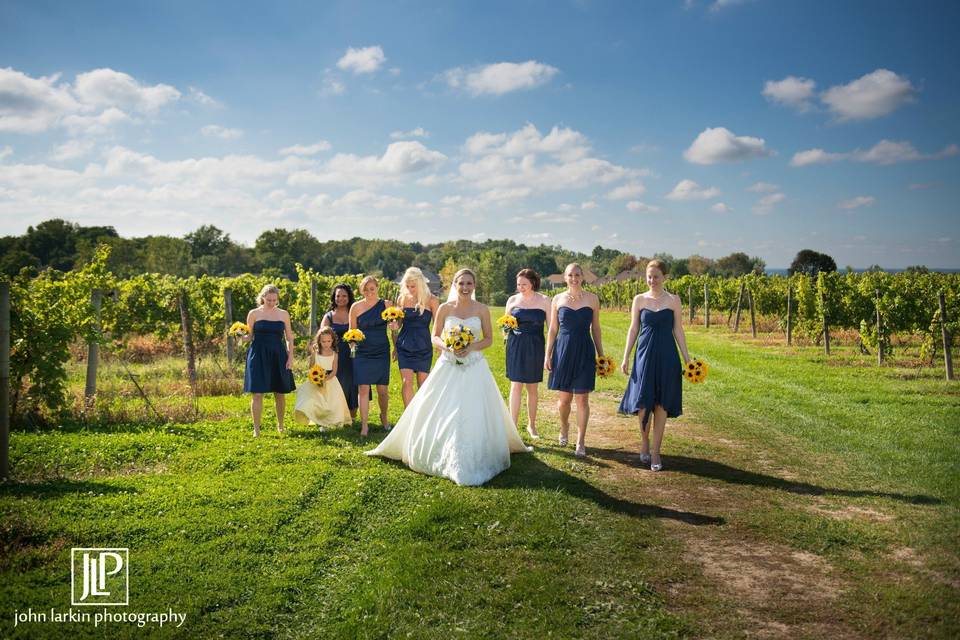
55, 311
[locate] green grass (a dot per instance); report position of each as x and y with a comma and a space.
302, 536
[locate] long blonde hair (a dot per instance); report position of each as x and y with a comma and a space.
423, 291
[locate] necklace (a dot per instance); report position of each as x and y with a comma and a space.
574, 297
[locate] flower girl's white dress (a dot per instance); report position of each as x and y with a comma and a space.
326, 407
457, 425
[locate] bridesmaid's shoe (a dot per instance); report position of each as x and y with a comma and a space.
533, 434
562, 441
580, 451
256, 432
644, 458
364, 433
656, 467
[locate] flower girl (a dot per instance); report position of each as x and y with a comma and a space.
321, 401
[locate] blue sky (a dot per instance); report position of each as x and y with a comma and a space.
764, 126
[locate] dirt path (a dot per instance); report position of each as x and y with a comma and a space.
741, 585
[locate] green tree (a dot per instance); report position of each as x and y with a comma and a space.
811, 263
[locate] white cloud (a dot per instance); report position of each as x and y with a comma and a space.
6, 152
871, 96
857, 202
885, 152
721, 207
719, 144
363, 60
639, 207
419, 132
763, 187
690, 190
216, 131
200, 97
500, 78
363, 199
400, 158
32, 105
332, 85
719, 5
109, 88
791, 92
72, 149
766, 204
627, 191
305, 150
588, 205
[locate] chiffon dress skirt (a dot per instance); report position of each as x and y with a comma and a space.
457, 425
266, 370
372, 364
414, 348
525, 346
345, 366
326, 407
657, 376
574, 359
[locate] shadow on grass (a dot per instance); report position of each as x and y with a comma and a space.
719, 471
76, 426
59, 487
529, 472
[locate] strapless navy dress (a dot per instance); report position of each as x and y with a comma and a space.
344, 363
266, 370
414, 348
525, 346
574, 359
372, 364
657, 376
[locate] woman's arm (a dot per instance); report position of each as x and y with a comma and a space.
595, 325
354, 313
251, 320
288, 332
511, 303
551, 333
326, 320
631, 333
436, 338
678, 328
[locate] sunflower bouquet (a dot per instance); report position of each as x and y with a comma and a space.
353, 337
696, 371
507, 323
392, 314
238, 329
458, 337
318, 376
605, 366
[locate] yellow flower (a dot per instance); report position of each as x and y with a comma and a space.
317, 375
239, 329
605, 366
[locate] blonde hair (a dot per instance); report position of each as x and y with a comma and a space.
267, 289
573, 265
463, 272
423, 291
364, 282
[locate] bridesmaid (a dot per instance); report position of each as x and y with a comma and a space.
571, 354
525, 346
655, 386
372, 363
269, 365
414, 348
338, 319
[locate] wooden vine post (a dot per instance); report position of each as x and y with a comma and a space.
706, 305
753, 317
879, 330
227, 321
736, 322
789, 315
947, 356
4, 380
183, 302
826, 325
313, 308
93, 350
690, 300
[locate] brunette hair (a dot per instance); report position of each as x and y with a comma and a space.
333, 295
325, 331
658, 264
532, 276
464, 272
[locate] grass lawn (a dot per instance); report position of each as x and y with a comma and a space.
802, 497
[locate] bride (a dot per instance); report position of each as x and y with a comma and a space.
457, 425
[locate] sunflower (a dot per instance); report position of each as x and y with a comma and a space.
239, 329
317, 375
392, 314
507, 323
604, 366
696, 371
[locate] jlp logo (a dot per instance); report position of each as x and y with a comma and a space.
104, 576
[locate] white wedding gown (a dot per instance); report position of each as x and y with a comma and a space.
457, 426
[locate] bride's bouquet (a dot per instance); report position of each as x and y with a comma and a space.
318, 376
507, 323
458, 337
696, 371
353, 337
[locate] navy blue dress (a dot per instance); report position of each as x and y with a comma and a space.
372, 364
414, 348
574, 360
266, 370
344, 363
525, 346
657, 374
